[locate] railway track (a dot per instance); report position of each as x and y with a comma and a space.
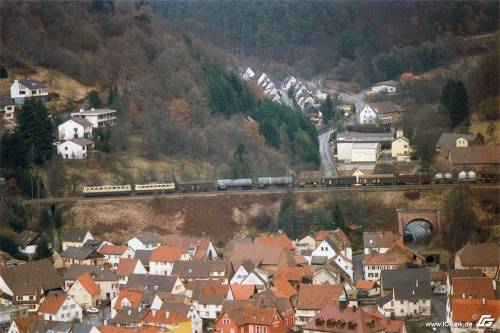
73, 199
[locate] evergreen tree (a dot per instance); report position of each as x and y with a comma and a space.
320, 220
460, 216
327, 110
35, 126
58, 220
454, 101
18, 224
45, 224
102, 137
287, 216
240, 165
338, 218
111, 96
13, 151
8, 245
94, 99
3, 72
43, 249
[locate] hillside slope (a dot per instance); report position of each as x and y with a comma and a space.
169, 123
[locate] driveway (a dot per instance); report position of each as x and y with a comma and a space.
325, 151
357, 266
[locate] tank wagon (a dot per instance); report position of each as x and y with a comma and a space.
263, 182
238, 183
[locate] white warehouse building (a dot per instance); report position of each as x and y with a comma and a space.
365, 152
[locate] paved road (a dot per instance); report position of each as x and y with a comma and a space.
325, 151
256, 192
357, 263
356, 99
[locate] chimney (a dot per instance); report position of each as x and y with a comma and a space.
416, 283
154, 312
483, 300
92, 109
129, 312
167, 314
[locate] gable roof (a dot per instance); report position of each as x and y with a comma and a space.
242, 292
81, 253
473, 287
317, 296
194, 269
143, 256
283, 288
167, 254
25, 323
81, 141
200, 246
39, 272
296, 273
475, 155
26, 237
74, 235
151, 282
366, 284
110, 249
88, 283
470, 310
386, 107
126, 266
412, 290
148, 238
448, 140
390, 277
133, 297
52, 303
82, 328
213, 293
378, 239
251, 314
32, 84
278, 240
164, 316
265, 254
82, 121
98, 273
474, 254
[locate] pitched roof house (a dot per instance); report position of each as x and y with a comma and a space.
85, 291
189, 270
378, 241
127, 267
60, 306
472, 256
145, 241
244, 319
198, 249
161, 261
81, 256
267, 257
104, 277
27, 241
313, 298
281, 240
75, 237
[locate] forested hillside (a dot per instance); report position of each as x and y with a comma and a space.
371, 39
181, 113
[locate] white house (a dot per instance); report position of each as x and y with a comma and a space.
259, 278
408, 299
97, 117
85, 291
325, 249
344, 263
75, 238
386, 87
27, 242
21, 89
113, 253
77, 149
400, 149
163, 258
246, 73
242, 272
212, 297
326, 275
365, 152
60, 307
75, 128
7, 110
306, 243
367, 115
127, 267
145, 241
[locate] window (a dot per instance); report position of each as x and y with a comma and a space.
226, 321
22, 92
257, 329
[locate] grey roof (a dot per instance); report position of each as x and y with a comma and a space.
377, 239
40, 272
151, 282
390, 277
81, 141
80, 253
98, 273
194, 269
447, 140
128, 316
364, 137
26, 237
319, 260
82, 328
306, 253
148, 238
143, 256
198, 285
6, 101
82, 121
388, 83
46, 326
74, 235
32, 84
384, 300
412, 290
94, 244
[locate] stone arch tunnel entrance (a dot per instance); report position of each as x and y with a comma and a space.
418, 233
418, 226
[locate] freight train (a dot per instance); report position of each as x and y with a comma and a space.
303, 179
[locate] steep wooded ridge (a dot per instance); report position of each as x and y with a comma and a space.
376, 38
181, 113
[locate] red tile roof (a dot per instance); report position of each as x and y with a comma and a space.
469, 310
113, 249
167, 254
163, 316
25, 323
365, 284
293, 273
284, 288
473, 287
315, 297
134, 297
86, 281
242, 292
322, 234
281, 240
126, 266
52, 303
